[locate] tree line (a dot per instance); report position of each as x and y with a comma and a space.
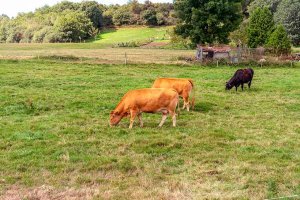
75, 22
273, 24
269, 23
253, 23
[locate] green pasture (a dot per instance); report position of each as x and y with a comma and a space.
235, 145
114, 36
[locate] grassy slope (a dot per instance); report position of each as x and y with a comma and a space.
235, 145
112, 36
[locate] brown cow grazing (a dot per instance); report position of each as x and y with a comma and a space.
150, 100
183, 86
240, 77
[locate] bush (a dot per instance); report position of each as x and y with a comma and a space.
261, 25
53, 36
149, 17
40, 35
74, 25
279, 41
122, 16
240, 36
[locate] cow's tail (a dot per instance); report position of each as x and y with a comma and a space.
193, 93
252, 72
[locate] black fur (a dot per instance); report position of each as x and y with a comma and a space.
240, 77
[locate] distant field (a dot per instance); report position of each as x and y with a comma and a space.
114, 36
56, 142
101, 55
296, 49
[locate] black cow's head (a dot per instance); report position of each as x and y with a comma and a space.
228, 86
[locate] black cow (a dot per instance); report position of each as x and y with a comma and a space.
240, 77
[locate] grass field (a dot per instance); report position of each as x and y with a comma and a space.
55, 138
113, 36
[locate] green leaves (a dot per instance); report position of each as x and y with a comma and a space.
74, 25
209, 21
261, 25
288, 14
279, 41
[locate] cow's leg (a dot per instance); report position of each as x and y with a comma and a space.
186, 101
242, 86
249, 84
173, 114
163, 119
133, 114
236, 87
140, 119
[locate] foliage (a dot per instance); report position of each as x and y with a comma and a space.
279, 41
74, 25
240, 36
207, 21
270, 4
45, 24
177, 41
39, 36
261, 25
149, 17
122, 16
93, 12
288, 14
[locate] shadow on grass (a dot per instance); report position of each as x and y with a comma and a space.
204, 107
104, 31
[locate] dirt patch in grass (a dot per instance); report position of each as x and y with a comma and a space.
45, 192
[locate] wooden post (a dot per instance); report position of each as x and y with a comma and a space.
201, 54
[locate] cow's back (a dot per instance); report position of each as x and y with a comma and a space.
150, 98
179, 84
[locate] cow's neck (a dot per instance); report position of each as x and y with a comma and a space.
120, 108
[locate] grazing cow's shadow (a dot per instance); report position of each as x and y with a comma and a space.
203, 107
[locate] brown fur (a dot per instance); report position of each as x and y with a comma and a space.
183, 86
150, 100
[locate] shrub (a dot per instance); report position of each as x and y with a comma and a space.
261, 25
149, 17
279, 41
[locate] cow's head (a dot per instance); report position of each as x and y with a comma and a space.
228, 86
115, 118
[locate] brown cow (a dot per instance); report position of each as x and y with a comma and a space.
150, 100
183, 86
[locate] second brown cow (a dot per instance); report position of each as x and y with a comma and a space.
183, 86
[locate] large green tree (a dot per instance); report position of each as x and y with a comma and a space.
288, 14
261, 25
207, 21
74, 25
92, 10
